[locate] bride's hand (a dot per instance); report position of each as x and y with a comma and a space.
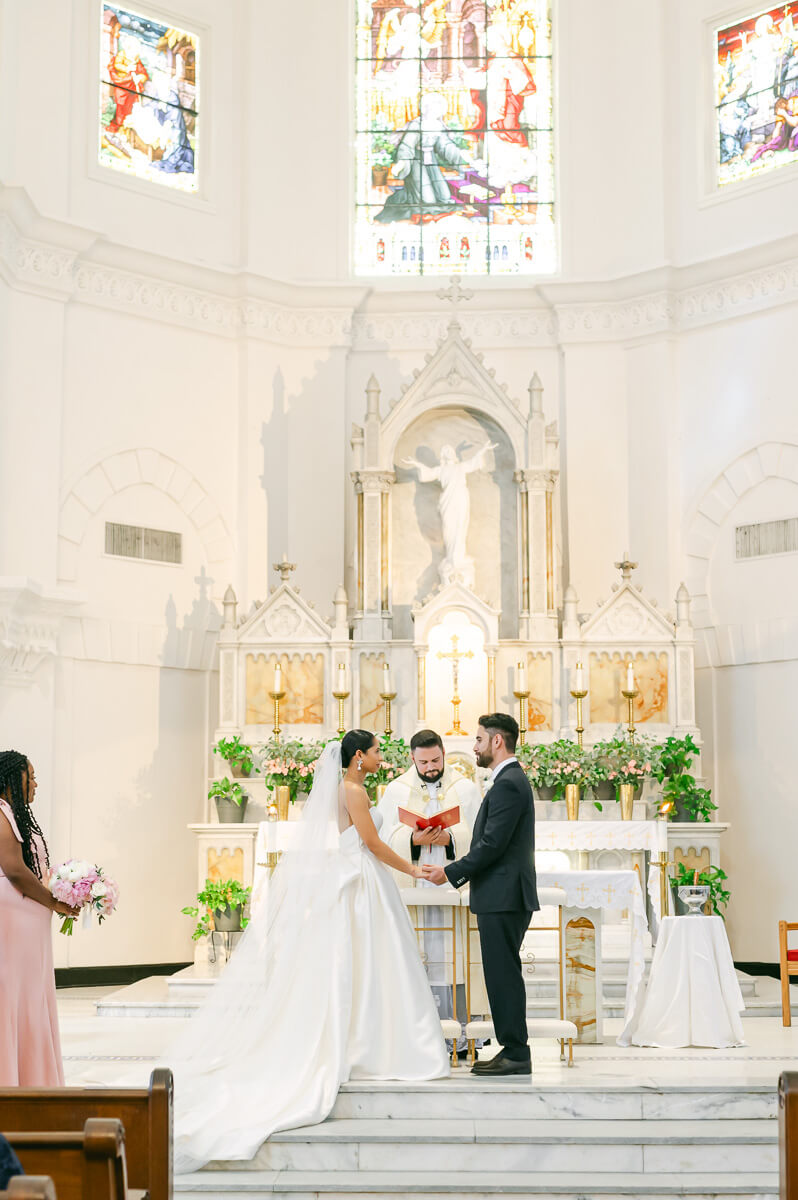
417, 872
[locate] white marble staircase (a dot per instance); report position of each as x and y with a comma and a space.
485, 1139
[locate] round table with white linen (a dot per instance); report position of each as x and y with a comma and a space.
693, 997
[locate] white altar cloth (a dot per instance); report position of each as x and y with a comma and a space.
601, 835
693, 997
609, 889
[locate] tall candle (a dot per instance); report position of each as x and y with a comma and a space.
630, 677
662, 835
386, 679
343, 678
520, 678
579, 678
278, 679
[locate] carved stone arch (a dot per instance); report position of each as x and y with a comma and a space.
768, 460
454, 377
129, 468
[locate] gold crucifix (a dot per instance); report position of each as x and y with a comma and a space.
455, 655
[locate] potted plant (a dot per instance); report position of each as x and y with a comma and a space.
536, 761
712, 877
604, 788
288, 769
395, 761
671, 768
231, 800
382, 153
630, 766
239, 756
570, 766
223, 901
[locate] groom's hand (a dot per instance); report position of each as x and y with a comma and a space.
434, 874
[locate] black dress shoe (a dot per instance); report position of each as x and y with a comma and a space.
501, 1065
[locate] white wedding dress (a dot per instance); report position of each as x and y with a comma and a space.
325, 985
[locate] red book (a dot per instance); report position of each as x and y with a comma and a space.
441, 820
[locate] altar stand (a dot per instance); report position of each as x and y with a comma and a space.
693, 997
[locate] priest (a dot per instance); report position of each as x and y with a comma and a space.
427, 788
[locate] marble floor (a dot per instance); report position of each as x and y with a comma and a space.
92, 1045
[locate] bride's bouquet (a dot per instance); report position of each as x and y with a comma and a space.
83, 886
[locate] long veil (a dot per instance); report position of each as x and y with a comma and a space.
266, 1050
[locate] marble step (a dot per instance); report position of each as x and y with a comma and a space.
510, 1099
531, 1146
408, 1185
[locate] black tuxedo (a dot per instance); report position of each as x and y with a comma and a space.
500, 868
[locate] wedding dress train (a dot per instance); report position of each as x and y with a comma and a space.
325, 985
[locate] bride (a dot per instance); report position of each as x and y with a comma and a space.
325, 985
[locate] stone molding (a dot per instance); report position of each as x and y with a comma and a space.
127, 468
59, 260
768, 460
31, 620
749, 644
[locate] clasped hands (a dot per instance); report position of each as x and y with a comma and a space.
434, 836
434, 874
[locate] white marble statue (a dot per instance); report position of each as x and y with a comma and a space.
454, 507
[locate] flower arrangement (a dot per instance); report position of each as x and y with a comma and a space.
395, 761
290, 764
216, 896
537, 761
85, 887
569, 763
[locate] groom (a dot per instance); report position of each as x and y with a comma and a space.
500, 869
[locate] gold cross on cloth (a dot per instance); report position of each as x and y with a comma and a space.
455, 655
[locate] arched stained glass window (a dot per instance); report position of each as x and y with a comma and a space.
149, 119
455, 154
756, 81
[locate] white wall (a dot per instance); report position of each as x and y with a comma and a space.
197, 365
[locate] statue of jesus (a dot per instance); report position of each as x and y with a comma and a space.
454, 508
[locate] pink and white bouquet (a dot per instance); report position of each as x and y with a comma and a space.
85, 887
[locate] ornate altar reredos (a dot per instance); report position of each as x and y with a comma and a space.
457, 575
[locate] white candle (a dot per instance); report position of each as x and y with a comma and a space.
579, 678
343, 678
386, 679
662, 834
278, 679
630, 677
520, 677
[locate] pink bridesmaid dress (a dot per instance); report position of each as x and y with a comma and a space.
30, 1047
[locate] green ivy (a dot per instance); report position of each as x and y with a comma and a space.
712, 877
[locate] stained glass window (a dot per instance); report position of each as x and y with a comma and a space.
455, 160
756, 80
148, 99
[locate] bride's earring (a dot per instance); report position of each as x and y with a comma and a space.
360, 764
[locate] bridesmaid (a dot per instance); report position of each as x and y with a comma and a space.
30, 1048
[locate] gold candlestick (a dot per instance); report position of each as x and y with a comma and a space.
630, 698
663, 862
276, 698
522, 698
580, 729
386, 698
341, 697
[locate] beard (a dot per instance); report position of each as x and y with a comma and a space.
485, 759
430, 776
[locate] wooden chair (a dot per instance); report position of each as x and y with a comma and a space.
788, 965
30, 1187
89, 1165
145, 1113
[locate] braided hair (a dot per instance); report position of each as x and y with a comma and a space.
14, 789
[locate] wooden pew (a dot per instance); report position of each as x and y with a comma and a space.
30, 1187
89, 1165
146, 1114
788, 1135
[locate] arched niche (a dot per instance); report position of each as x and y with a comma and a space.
416, 536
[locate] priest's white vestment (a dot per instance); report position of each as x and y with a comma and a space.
411, 792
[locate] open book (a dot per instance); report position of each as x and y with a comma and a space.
441, 820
